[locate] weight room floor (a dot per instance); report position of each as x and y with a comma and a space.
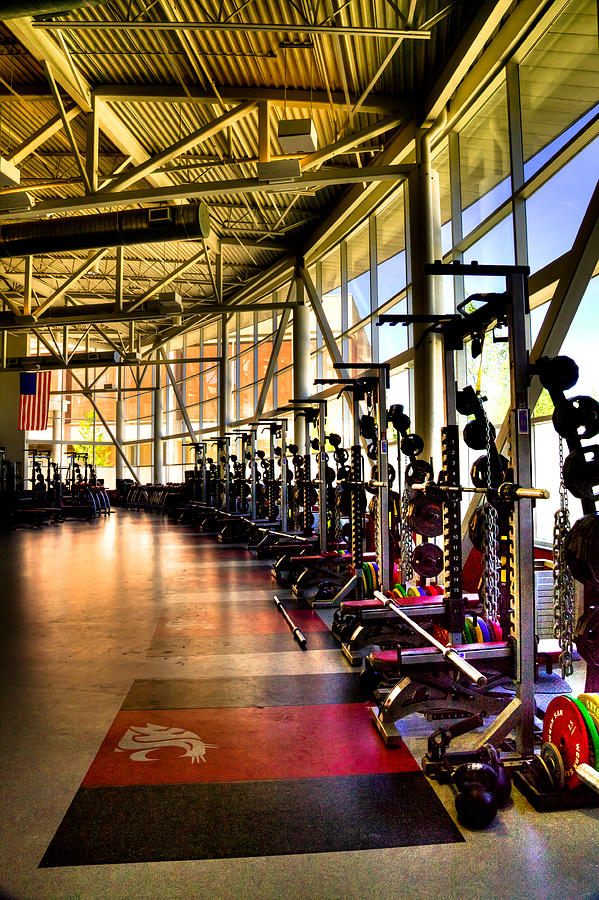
109, 627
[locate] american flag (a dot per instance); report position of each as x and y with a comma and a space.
34, 401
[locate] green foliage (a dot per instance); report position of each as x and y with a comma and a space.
494, 377
544, 405
86, 428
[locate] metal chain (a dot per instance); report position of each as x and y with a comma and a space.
405, 537
491, 563
563, 583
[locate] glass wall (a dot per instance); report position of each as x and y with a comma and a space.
554, 106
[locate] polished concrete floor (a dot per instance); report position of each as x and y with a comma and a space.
84, 608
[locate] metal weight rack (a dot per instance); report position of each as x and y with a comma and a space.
508, 309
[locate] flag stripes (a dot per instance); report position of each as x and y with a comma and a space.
33, 407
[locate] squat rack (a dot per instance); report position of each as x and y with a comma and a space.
511, 309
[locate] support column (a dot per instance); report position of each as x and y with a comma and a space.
27, 289
302, 383
119, 286
157, 427
91, 149
119, 423
427, 298
11, 438
224, 379
56, 435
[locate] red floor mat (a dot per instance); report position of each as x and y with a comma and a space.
208, 745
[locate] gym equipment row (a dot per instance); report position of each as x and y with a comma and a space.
50, 494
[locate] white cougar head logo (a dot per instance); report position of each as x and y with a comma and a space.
153, 737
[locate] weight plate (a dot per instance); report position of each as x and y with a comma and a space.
373, 576
564, 726
468, 636
591, 704
422, 591
485, 631
367, 577
479, 634
497, 631
591, 731
554, 762
541, 774
412, 592
402, 590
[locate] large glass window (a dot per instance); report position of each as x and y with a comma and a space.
358, 274
391, 248
555, 211
485, 161
559, 80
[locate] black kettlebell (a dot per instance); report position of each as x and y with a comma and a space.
476, 772
503, 791
475, 805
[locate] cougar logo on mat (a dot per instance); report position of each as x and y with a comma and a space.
145, 739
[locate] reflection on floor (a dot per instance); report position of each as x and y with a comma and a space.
156, 709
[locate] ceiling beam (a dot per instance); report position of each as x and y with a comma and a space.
73, 279
313, 180
39, 137
278, 28
107, 314
350, 141
45, 50
190, 141
158, 93
478, 33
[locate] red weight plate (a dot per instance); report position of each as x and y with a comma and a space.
564, 726
496, 629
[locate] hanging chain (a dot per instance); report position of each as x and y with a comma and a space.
405, 540
563, 584
491, 563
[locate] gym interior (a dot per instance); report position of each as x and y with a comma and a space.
298, 449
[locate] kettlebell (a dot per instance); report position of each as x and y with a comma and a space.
476, 805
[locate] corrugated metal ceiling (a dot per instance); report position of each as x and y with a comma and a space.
203, 61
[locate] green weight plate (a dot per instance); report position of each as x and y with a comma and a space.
468, 636
367, 577
402, 589
591, 729
554, 762
591, 703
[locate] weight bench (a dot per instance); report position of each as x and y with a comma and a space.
364, 623
426, 684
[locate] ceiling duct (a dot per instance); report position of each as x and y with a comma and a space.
115, 229
18, 8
